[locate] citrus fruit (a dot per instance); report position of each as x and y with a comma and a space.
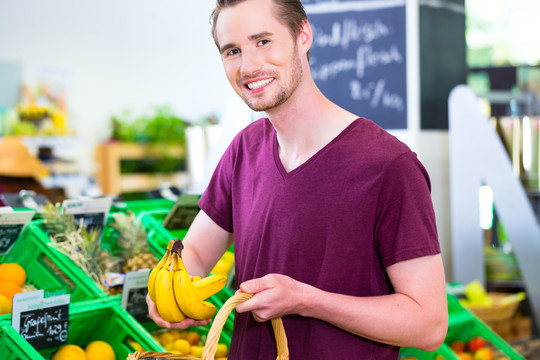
221, 350
13, 272
100, 350
5, 305
182, 345
9, 288
69, 352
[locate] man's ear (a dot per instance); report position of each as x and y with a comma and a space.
305, 38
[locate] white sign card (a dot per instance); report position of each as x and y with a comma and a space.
42, 316
134, 294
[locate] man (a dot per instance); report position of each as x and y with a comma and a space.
332, 218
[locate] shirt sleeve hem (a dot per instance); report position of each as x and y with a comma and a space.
215, 216
410, 254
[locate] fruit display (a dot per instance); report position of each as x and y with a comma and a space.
12, 281
96, 350
476, 348
184, 342
123, 247
175, 293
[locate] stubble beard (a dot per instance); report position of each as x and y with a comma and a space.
284, 93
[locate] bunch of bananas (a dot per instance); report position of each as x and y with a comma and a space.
175, 294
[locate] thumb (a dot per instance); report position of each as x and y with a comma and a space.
252, 286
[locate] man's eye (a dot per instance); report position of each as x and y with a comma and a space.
232, 52
263, 42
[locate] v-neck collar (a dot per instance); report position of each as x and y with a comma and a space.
281, 169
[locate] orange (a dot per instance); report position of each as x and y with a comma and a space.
13, 272
69, 352
193, 338
9, 288
100, 350
5, 305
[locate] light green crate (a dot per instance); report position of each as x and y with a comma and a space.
13, 346
47, 268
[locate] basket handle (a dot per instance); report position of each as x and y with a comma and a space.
220, 319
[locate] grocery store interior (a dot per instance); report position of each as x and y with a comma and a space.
117, 113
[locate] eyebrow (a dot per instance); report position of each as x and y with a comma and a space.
257, 36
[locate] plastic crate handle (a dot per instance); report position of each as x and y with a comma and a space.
215, 332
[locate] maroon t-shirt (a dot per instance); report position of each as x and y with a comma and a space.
360, 204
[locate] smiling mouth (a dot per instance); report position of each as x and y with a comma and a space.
259, 84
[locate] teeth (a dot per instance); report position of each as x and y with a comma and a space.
258, 84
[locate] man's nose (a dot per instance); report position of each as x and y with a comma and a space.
250, 63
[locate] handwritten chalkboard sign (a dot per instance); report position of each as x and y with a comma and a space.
358, 57
136, 304
182, 213
11, 227
44, 328
41, 317
134, 294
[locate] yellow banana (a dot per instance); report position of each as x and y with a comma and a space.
186, 297
165, 301
210, 285
155, 271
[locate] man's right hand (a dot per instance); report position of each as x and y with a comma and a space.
184, 324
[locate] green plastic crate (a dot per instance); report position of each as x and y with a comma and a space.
13, 346
463, 325
46, 267
443, 353
98, 319
138, 206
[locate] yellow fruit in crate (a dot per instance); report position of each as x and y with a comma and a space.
222, 350
5, 305
182, 345
100, 350
13, 272
69, 352
166, 338
193, 338
197, 350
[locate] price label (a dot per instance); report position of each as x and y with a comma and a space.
134, 295
11, 227
183, 212
42, 317
91, 212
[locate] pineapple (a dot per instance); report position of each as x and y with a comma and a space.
81, 246
133, 242
56, 221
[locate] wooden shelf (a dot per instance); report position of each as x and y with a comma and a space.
112, 181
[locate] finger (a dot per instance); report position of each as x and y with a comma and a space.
253, 286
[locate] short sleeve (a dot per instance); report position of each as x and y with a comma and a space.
216, 200
406, 226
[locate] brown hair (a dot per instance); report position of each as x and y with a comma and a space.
290, 13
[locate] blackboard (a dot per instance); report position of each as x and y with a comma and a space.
358, 57
45, 327
136, 304
182, 213
8, 235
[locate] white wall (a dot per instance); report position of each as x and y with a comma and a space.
117, 55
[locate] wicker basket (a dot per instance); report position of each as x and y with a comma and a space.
497, 312
214, 333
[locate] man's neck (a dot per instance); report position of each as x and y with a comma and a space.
305, 124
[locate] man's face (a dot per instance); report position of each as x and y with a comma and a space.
260, 57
